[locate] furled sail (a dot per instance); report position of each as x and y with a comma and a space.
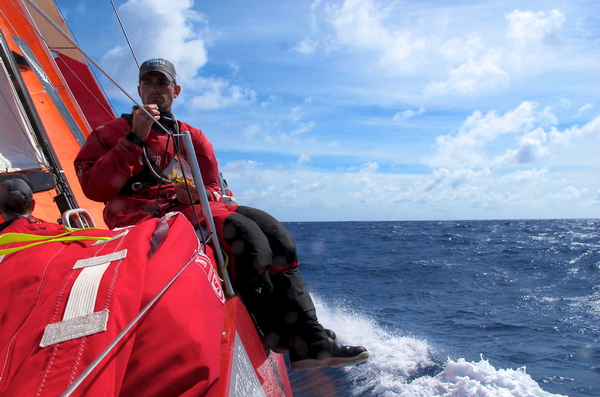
19, 150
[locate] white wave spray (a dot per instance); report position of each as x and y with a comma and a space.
405, 366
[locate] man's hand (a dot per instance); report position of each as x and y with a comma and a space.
142, 122
182, 193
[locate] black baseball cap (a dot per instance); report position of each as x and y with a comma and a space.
159, 65
15, 195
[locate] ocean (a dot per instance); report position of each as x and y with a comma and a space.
456, 308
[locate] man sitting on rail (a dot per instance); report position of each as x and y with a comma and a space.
122, 164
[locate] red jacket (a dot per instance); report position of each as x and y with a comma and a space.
107, 160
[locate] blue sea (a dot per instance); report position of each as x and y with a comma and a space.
456, 308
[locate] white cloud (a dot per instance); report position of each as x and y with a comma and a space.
251, 131
381, 59
470, 159
81, 7
533, 28
173, 31
272, 99
178, 34
369, 167
584, 27
215, 93
527, 178
478, 143
530, 35
307, 46
483, 190
568, 193
408, 113
461, 65
447, 179
243, 170
316, 186
364, 178
472, 77
470, 67
585, 108
303, 159
296, 113
563, 139
458, 50
531, 149
304, 127
365, 25
467, 187
313, 18
234, 66
359, 23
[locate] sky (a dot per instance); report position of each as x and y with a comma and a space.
366, 110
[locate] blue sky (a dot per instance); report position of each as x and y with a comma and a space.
377, 110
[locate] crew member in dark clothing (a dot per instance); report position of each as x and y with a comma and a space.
134, 153
16, 201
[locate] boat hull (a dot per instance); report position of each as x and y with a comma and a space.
247, 368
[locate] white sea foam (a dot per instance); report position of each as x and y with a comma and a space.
403, 365
463, 378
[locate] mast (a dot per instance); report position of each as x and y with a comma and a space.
64, 199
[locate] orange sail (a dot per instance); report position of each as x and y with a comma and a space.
66, 103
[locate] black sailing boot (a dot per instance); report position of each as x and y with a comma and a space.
327, 353
284, 348
311, 345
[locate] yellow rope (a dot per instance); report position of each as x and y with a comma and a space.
22, 237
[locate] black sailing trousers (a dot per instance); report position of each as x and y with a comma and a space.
268, 279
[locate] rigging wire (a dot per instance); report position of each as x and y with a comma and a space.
176, 148
125, 33
70, 40
62, 17
8, 21
76, 47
